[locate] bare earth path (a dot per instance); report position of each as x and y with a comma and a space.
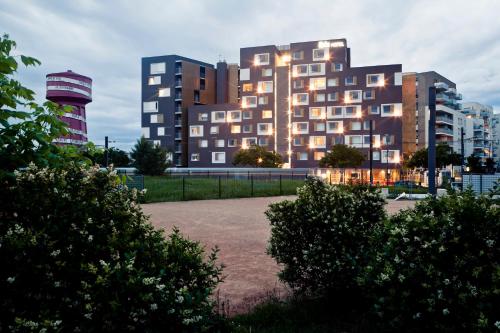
240, 229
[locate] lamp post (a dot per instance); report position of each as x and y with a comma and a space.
371, 153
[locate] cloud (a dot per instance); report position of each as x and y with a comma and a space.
106, 40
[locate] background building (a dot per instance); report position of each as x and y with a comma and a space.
482, 138
495, 136
69, 88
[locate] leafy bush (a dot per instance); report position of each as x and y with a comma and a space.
149, 159
78, 254
322, 238
438, 266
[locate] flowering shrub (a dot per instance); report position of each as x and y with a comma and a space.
78, 254
438, 267
323, 237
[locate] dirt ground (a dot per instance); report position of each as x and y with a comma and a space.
240, 229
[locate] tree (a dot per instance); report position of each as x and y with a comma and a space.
342, 156
257, 157
474, 164
149, 159
444, 156
490, 165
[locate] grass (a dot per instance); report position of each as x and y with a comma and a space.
168, 188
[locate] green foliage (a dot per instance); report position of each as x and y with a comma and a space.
149, 159
437, 267
444, 157
474, 164
342, 156
258, 157
116, 157
78, 254
322, 238
490, 165
26, 128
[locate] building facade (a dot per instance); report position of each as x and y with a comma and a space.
299, 100
495, 136
482, 136
75, 90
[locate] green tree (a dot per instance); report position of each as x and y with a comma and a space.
474, 164
258, 157
444, 156
149, 159
342, 156
490, 165
27, 129
118, 157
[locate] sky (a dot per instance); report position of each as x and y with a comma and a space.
107, 39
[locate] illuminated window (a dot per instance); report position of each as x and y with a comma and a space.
333, 97
369, 94
299, 70
218, 157
219, 143
373, 109
353, 96
318, 155
337, 67
235, 129
355, 141
319, 97
248, 142
202, 116
351, 80
301, 156
214, 130
298, 55
390, 110
298, 141
232, 142
249, 101
265, 87
247, 114
267, 114
300, 128
264, 129
161, 131
267, 72
317, 113
301, 99
334, 126
321, 54
196, 131
319, 127
154, 80
317, 69
298, 112
247, 87
317, 83
375, 140
261, 59
333, 82
203, 143
234, 116
195, 157
298, 84
334, 112
164, 92
263, 100
218, 116
355, 125
375, 80
156, 119
247, 128
149, 107
157, 68
390, 156
317, 142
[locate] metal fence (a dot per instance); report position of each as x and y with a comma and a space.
480, 183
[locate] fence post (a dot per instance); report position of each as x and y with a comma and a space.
330, 178
219, 189
183, 188
251, 185
281, 189
292, 175
481, 184
208, 173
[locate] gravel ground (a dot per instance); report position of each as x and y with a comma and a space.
240, 229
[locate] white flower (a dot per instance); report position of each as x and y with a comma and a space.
55, 253
497, 324
90, 238
11, 279
446, 312
179, 299
153, 306
446, 281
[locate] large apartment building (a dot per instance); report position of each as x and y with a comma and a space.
481, 140
299, 100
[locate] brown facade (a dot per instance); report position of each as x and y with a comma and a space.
409, 113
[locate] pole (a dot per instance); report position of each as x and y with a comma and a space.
251, 185
431, 155
106, 157
462, 160
281, 189
183, 188
219, 189
371, 153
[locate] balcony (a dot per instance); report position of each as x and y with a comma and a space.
441, 86
178, 137
178, 83
444, 119
178, 123
451, 91
178, 97
444, 131
178, 110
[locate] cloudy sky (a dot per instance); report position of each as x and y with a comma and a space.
106, 40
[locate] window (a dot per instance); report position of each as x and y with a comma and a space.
265, 87
299, 70
389, 110
301, 156
300, 128
249, 101
261, 59
369, 94
247, 128
267, 72
375, 140
263, 141
264, 129
317, 83
218, 116
398, 79
333, 97
247, 87
161, 131
156, 119
316, 69
219, 143
247, 142
335, 127
195, 157
154, 80
376, 155
247, 114
338, 140
156, 142
373, 109
337, 67
196, 131
298, 112
267, 114
355, 126
202, 116
298, 55
375, 80
234, 116
301, 99
317, 113
318, 155
214, 130
317, 142
218, 157
244, 74
203, 143
298, 84
164, 92
235, 129
157, 68
351, 80
366, 125
321, 54
352, 111
333, 82
298, 141
319, 127
355, 141
352, 96
334, 112
232, 142
388, 139
390, 156
319, 97
149, 107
